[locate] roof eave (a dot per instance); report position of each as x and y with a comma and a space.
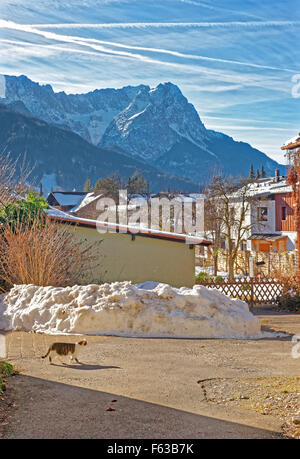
291, 146
191, 240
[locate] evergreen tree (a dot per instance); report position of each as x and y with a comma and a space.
111, 186
137, 185
87, 186
257, 174
263, 172
251, 173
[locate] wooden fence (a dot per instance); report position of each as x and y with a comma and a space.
253, 291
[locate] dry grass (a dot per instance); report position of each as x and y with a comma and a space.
45, 255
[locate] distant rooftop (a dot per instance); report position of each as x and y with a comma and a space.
292, 143
65, 198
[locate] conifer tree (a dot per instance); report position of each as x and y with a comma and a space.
137, 185
110, 185
251, 173
87, 186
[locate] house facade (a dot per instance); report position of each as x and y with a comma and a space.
124, 253
270, 216
275, 230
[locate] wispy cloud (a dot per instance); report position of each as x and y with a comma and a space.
80, 40
247, 120
187, 56
235, 127
130, 25
214, 7
244, 79
233, 61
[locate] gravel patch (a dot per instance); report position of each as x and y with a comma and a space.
278, 397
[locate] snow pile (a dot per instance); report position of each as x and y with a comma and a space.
125, 309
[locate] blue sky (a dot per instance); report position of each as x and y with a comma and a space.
233, 60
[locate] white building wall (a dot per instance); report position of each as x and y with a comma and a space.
291, 243
268, 227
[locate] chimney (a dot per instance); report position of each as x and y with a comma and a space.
277, 177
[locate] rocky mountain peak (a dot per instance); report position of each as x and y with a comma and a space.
158, 125
161, 114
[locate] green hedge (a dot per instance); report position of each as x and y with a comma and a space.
6, 370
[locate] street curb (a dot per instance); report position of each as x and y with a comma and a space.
2, 345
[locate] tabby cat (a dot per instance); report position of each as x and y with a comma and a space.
64, 349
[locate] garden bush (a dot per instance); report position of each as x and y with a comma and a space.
202, 277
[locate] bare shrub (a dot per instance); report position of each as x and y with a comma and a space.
290, 296
44, 255
13, 179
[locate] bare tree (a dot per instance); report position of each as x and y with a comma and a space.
231, 215
14, 175
214, 214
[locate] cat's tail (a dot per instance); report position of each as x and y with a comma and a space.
44, 356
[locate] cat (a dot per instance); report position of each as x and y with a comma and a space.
61, 349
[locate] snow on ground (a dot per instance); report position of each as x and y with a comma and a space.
224, 274
210, 271
125, 309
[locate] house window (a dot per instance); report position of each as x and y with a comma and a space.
201, 251
283, 213
262, 214
243, 245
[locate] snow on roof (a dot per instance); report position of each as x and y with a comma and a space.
68, 199
292, 140
269, 187
87, 199
58, 215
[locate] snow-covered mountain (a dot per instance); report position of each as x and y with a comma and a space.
154, 122
163, 128
157, 125
60, 158
86, 114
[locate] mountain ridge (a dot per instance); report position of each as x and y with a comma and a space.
157, 125
61, 158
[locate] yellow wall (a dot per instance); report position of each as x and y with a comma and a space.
143, 259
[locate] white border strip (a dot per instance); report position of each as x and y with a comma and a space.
2, 87
2, 346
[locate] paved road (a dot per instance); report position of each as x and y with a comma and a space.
154, 383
